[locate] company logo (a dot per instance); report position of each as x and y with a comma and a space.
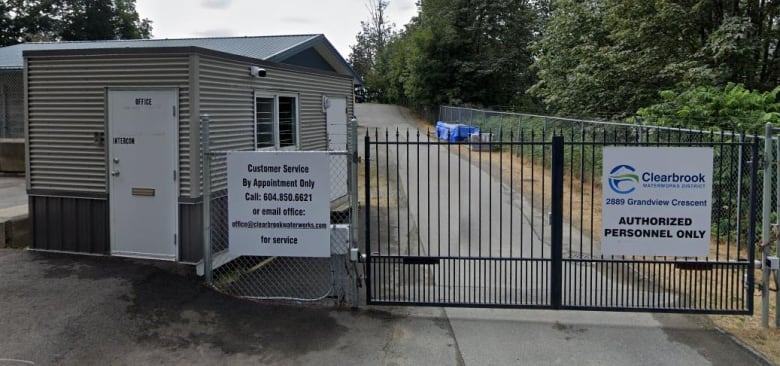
623, 179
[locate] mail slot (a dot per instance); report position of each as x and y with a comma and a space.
143, 192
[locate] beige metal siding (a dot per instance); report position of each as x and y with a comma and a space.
227, 96
66, 107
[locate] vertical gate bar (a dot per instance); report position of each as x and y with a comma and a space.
765, 231
571, 190
482, 268
449, 273
544, 183
380, 263
353, 214
206, 161
419, 219
752, 223
459, 262
424, 270
388, 283
437, 289
556, 229
367, 208
408, 218
503, 270
398, 206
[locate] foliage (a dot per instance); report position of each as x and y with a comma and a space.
70, 20
372, 40
731, 108
608, 58
463, 52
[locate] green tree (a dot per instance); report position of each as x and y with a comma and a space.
730, 108
608, 58
464, 52
371, 41
102, 19
54, 20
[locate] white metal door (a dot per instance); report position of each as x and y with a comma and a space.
337, 140
143, 158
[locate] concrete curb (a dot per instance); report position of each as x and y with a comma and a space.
14, 227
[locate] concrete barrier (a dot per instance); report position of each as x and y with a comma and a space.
14, 227
12, 155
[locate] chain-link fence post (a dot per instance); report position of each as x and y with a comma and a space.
353, 215
776, 142
765, 228
206, 167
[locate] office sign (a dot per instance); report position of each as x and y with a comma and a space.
657, 201
279, 203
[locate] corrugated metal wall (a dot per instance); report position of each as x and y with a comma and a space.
227, 92
66, 108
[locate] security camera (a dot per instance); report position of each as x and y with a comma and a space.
257, 72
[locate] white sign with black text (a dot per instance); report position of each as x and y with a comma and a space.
279, 203
657, 201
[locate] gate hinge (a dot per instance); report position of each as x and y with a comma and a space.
174, 111
174, 175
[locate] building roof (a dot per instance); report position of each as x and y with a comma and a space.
277, 48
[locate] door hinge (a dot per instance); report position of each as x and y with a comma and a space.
174, 111
174, 240
174, 175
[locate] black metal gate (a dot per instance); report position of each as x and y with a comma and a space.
513, 220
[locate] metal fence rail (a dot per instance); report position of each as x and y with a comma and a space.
513, 222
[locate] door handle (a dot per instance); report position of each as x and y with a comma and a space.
115, 173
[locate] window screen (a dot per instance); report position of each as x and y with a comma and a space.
288, 121
265, 122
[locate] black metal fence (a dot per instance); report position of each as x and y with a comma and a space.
515, 221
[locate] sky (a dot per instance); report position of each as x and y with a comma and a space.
338, 20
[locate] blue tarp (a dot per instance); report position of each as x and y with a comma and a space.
454, 132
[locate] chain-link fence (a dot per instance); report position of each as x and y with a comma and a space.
283, 278
506, 126
11, 104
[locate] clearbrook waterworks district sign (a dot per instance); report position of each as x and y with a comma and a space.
279, 203
657, 201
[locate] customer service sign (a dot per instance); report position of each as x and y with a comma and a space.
657, 201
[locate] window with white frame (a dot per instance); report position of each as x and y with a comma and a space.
276, 121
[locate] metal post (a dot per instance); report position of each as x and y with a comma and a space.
556, 224
206, 161
777, 240
739, 189
765, 228
353, 215
367, 208
752, 213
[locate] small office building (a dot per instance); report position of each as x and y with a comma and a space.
113, 130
